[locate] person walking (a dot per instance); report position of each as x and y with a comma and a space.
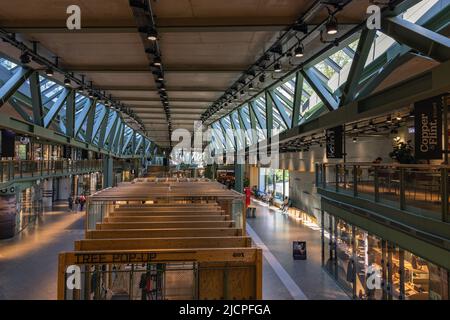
70, 203
285, 205
82, 202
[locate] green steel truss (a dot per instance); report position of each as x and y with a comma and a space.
342, 74
51, 111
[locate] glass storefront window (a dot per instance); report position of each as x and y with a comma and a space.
438, 282
344, 253
369, 259
417, 277
371, 268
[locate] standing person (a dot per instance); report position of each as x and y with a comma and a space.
82, 202
70, 202
285, 205
248, 193
77, 203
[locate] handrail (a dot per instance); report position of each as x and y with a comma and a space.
418, 188
387, 164
11, 170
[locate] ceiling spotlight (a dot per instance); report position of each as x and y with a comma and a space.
91, 94
49, 72
157, 62
355, 139
67, 82
160, 77
332, 25
152, 35
250, 86
277, 67
398, 118
299, 51
262, 78
25, 58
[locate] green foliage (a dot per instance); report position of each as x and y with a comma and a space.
403, 153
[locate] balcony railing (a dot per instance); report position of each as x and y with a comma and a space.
25, 169
421, 189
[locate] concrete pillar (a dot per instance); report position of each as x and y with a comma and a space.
47, 195
107, 172
64, 188
239, 177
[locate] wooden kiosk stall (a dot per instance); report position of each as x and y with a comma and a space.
155, 239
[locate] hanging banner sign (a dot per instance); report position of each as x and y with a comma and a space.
428, 128
334, 142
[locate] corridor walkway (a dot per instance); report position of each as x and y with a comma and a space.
28, 262
284, 277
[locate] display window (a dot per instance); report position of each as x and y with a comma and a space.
368, 267
417, 277
344, 253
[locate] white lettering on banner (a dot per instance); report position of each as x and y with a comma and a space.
429, 136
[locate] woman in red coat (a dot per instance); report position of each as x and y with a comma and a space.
248, 193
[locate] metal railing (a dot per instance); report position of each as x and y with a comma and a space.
20, 169
11, 170
98, 210
421, 189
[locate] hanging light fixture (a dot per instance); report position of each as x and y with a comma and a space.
299, 51
332, 24
277, 67
25, 58
67, 82
152, 35
262, 78
49, 72
157, 62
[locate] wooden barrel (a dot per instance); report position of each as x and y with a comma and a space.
7, 216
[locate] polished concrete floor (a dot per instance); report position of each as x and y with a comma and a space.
283, 277
28, 262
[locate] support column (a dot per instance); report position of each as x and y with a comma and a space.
239, 177
107, 172
64, 188
47, 196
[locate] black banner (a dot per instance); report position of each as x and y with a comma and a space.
428, 128
334, 142
8, 143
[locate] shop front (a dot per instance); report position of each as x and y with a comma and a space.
371, 268
29, 206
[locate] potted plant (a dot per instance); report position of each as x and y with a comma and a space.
403, 153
